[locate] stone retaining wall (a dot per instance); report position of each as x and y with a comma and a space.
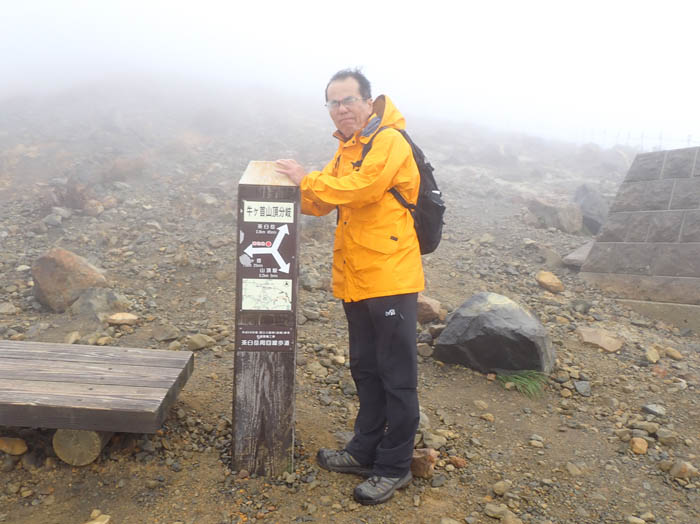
649, 247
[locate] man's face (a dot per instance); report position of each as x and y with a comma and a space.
348, 117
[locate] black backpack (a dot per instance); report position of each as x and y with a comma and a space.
428, 211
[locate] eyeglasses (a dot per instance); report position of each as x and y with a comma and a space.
348, 101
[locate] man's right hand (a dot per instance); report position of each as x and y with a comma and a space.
291, 168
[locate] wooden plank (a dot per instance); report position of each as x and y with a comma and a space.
116, 420
79, 395
102, 354
138, 403
263, 414
171, 396
88, 373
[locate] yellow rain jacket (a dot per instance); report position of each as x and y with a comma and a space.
376, 251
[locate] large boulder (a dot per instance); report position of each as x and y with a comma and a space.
567, 218
491, 333
594, 207
60, 277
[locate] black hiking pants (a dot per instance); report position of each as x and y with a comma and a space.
383, 366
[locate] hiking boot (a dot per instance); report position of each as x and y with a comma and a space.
376, 490
341, 461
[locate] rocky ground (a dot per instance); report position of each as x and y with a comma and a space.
615, 436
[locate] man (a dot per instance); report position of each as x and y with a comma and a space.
377, 273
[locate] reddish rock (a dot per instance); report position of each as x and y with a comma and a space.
428, 309
549, 281
599, 337
423, 463
60, 276
638, 446
458, 462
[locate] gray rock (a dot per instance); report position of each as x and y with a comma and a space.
99, 303
594, 207
200, 341
654, 409
8, 309
577, 257
165, 332
567, 218
52, 220
583, 387
490, 332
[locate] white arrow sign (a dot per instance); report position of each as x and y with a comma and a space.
272, 250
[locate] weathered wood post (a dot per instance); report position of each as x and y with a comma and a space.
266, 296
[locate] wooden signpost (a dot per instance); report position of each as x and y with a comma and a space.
266, 297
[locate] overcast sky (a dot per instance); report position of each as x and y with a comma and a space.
576, 70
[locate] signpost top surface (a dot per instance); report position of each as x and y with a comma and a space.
262, 173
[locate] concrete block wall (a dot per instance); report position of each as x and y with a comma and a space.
649, 247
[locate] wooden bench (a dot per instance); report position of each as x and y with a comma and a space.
94, 390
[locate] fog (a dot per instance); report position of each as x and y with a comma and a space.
604, 72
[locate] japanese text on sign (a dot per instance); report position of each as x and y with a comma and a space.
274, 338
268, 211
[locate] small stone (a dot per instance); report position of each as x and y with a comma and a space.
200, 341
566, 393
647, 517
638, 445
496, 511
510, 518
72, 337
423, 462
480, 404
573, 469
683, 470
501, 487
448, 520
652, 355
488, 417
8, 309
549, 281
583, 388
635, 520
438, 481
601, 338
655, 409
433, 440
425, 350
102, 519
667, 437
122, 319
458, 462
673, 354
175, 345
536, 444
13, 446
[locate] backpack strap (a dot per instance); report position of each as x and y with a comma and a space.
393, 190
367, 147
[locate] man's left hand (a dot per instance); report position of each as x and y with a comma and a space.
291, 168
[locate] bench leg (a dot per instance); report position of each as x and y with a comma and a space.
79, 447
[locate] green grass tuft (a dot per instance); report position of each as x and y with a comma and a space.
528, 382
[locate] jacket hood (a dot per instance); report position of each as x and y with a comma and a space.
384, 114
